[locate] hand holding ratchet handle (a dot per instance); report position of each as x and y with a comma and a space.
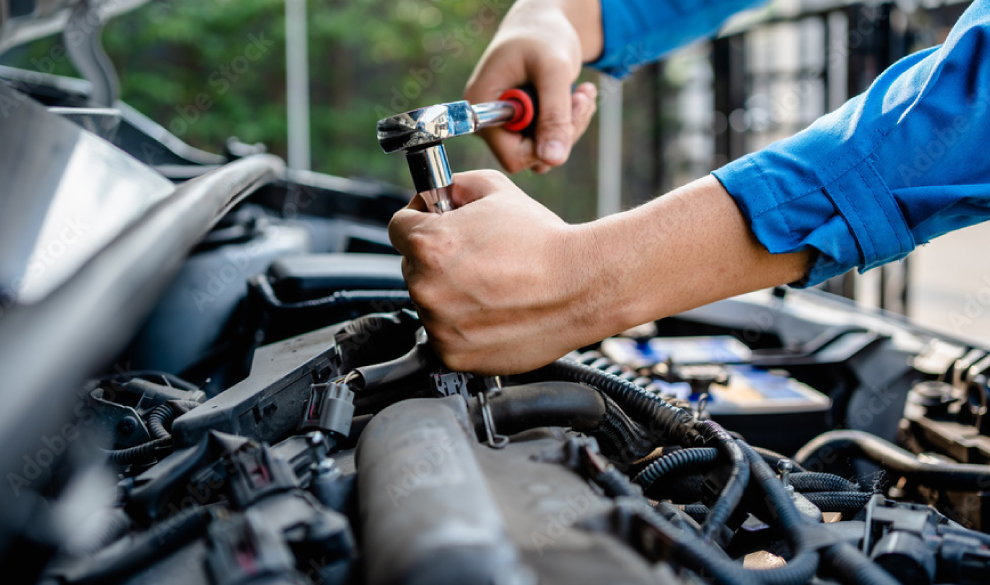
420, 134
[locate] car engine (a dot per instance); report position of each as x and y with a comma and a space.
213, 373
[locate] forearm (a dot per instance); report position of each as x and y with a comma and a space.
680, 251
505, 286
584, 15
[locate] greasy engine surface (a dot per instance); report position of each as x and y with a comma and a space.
349, 454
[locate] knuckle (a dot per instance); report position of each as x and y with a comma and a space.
589, 108
557, 60
420, 246
555, 121
490, 175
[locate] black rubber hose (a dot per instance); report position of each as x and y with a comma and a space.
615, 484
849, 503
850, 565
773, 458
543, 404
735, 483
116, 563
697, 512
710, 562
845, 561
565, 404
144, 453
684, 489
164, 414
955, 476
677, 516
621, 438
810, 481
696, 459
157, 419
803, 564
376, 337
646, 461
420, 359
339, 298
713, 564
167, 378
669, 422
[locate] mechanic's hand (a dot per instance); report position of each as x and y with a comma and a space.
492, 277
543, 42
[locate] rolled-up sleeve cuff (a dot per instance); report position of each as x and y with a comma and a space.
853, 221
640, 31
620, 24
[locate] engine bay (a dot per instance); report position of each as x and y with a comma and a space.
349, 454
227, 383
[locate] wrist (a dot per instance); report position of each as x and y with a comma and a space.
602, 300
586, 18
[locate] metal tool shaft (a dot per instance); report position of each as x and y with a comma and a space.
493, 113
429, 167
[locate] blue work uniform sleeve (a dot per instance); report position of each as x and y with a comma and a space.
896, 166
639, 31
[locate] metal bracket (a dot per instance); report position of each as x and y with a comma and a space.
492, 438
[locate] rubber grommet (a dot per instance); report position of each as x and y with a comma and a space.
524, 114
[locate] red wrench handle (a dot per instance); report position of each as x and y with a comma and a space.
526, 106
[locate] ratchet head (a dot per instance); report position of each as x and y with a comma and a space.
424, 127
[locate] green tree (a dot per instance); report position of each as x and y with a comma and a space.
210, 70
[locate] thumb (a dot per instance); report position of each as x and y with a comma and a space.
402, 225
553, 127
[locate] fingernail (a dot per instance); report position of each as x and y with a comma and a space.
552, 151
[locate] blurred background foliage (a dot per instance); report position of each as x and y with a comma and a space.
211, 69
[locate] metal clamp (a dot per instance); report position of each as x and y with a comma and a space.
702, 406
492, 438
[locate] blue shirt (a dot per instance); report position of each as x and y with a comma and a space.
904, 162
